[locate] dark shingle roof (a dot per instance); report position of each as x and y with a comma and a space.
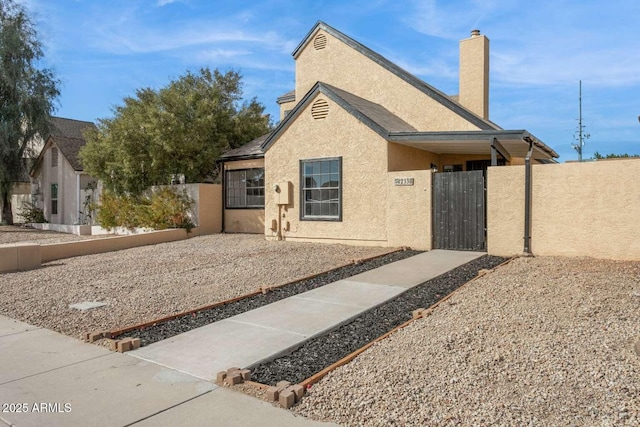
250, 150
70, 147
68, 136
69, 128
287, 97
378, 118
375, 112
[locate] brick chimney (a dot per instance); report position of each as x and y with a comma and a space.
474, 74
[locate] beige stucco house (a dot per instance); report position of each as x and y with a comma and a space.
59, 185
360, 140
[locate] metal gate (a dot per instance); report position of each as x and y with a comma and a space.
459, 211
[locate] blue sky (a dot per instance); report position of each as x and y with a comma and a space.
102, 51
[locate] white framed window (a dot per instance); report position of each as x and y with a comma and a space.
321, 189
54, 199
245, 189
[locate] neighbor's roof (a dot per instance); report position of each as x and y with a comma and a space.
69, 138
70, 147
69, 128
250, 150
68, 135
419, 84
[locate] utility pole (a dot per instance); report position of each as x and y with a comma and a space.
580, 136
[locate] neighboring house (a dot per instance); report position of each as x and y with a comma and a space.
60, 186
352, 158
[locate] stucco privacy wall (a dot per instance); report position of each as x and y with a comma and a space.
409, 210
243, 220
364, 182
578, 209
344, 67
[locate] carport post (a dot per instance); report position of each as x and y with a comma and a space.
527, 198
494, 153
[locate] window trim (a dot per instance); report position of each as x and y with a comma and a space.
226, 189
340, 186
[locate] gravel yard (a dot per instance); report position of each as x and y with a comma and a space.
148, 282
16, 234
540, 341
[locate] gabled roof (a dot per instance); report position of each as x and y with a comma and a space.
68, 135
250, 150
70, 147
419, 84
375, 116
69, 128
394, 129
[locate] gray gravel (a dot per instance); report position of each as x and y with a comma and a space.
166, 329
149, 282
320, 352
541, 341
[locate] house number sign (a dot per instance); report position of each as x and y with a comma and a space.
403, 181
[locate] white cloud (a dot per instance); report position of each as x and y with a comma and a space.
161, 3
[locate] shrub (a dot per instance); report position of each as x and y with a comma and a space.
30, 213
158, 209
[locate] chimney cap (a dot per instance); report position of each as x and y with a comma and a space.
475, 33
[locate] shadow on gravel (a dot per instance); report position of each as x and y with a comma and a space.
324, 350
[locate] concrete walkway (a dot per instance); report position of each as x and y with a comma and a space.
261, 334
50, 379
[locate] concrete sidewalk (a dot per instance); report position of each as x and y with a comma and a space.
247, 339
50, 379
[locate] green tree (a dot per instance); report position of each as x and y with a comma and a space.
27, 95
179, 129
598, 156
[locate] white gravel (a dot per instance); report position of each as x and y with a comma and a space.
540, 341
149, 282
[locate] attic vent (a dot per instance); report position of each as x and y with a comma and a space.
320, 42
320, 109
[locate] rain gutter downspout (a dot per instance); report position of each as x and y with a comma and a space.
527, 198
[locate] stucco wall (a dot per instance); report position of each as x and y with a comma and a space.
505, 210
286, 106
409, 210
579, 209
341, 66
364, 181
404, 158
244, 220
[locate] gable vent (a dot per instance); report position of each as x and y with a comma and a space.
320, 109
320, 42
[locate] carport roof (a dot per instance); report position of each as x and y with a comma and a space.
515, 142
